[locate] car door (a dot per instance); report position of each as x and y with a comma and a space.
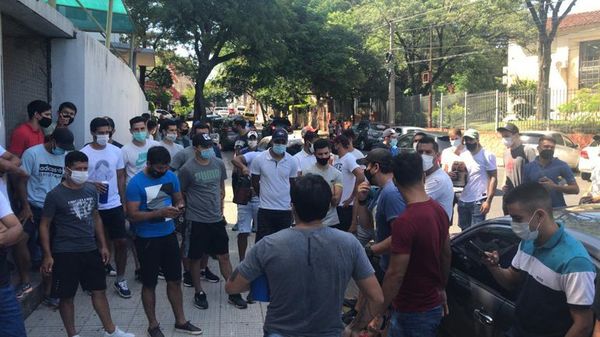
561, 151
572, 152
479, 306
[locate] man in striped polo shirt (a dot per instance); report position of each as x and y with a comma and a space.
552, 269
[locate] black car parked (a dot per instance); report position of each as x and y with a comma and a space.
479, 306
368, 134
275, 123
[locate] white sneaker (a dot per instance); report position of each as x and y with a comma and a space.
118, 333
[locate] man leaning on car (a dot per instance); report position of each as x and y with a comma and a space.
552, 270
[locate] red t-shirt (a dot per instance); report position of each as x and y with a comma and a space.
24, 137
421, 232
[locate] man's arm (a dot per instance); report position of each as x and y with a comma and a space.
13, 231
370, 288
364, 217
256, 183
44, 229
597, 328
337, 190
509, 278
583, 322
121, 177
239, 162
21, 188
237, 283
491, 191
134, 214
393, 279
360, 177
10, 163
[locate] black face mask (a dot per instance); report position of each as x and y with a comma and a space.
471, 146
369, 176
71, 119
184, 132
45, 122
334, 151
156, 174
547, 154
322, 161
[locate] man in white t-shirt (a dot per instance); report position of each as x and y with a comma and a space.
9, 164
136, 152
352, 137
273, 173
352, 176
437, 183
168, 129
107, 171
476, 198
306, 157
452, 154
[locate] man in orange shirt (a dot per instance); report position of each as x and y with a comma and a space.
30, 133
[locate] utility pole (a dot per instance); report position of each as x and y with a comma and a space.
430, 119
392, 83
109, 19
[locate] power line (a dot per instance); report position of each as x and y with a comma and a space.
448, 56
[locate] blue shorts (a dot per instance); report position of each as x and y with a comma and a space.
11, 318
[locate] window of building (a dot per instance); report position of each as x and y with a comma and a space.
589, 64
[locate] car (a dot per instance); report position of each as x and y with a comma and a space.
405, 142
162, 114
222, 111
478, 305
276, 122
405, 129
368, 134
566, 150
590, 157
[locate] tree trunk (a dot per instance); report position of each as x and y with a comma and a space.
143, 78
544, 64
199, 101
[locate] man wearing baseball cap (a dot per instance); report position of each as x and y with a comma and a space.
390, 141
273, 173
516, 155
476, 198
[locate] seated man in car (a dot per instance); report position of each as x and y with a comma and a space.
552, 270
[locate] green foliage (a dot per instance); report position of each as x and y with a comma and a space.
585, 100
161, 98
161, 75
181, 110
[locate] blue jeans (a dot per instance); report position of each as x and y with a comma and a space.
415, 324
469, 213
11, 318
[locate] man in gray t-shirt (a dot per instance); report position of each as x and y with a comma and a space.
307, 268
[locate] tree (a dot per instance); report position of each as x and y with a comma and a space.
219, 31
547, 28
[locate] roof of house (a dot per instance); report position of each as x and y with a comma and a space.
579, 20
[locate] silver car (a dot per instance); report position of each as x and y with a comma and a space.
566, 150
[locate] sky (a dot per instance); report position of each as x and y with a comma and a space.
585, 6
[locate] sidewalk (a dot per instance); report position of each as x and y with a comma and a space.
220, 319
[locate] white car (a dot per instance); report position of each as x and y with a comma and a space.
566, 150
222, 111
590, 157
401, 129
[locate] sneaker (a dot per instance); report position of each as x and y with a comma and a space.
122, 289
51, 302
237, 301
118, 333
207, 275
155, 332
235, 227
188, 328
23, 290
187, 279
110, 271
200, 301
250, 298
161, 275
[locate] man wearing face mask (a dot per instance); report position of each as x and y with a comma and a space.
390, 141
44, 165
107, 172
549, 171
111, 132
437, 183
452, 154
352, 176
76, 252
551, 270
168, 129
273, 173
306, 157
183, 131
66, 116
189, 152
30, 133
476, 198
135, 153
203, 186
516, 156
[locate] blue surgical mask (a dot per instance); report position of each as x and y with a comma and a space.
394, 142
140, 136
58, 151
279, 148
207, 153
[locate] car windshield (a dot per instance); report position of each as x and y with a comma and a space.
583, 219
531, 138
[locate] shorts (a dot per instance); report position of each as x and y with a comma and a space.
72, 269
160, 253
345, 216
247, 215
207, 238
114, 222
272, 221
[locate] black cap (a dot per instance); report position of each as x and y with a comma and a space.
63, 138
379, 155
202, 139
280, 134
510, 127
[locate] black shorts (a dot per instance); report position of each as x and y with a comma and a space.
207, 238
114, 222
272, 221
345, 216
72, 269
160, 253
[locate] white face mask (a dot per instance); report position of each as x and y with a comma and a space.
252, 143
427, 162
102, 140
79, 177
522, 229
507, 141
456, 142
415, 145
171, 136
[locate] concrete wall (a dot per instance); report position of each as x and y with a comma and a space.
87, 74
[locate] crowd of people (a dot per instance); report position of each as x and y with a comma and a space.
324, 217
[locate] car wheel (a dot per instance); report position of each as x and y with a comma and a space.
586, 176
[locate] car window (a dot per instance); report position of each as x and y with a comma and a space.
568, 142
466, 256
558, 138
405, 141
531, 138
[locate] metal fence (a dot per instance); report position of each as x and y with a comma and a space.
570, 111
